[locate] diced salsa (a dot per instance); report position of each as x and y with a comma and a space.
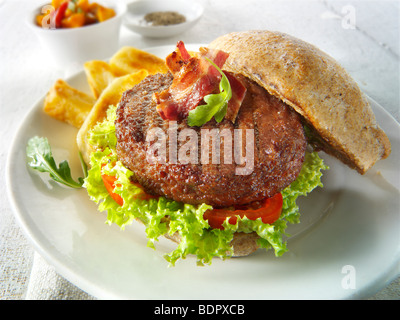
72, 14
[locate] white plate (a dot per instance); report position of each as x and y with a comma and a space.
134, 17
353, 221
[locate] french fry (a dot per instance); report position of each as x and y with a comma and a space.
68, 104
129, 60
110, 96
99, 75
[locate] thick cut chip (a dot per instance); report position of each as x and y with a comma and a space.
129, 60
99, 75
110, 96
68, 104
122, 72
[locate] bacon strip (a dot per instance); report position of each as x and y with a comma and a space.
177, 59
194, 78
238, 93
182, 49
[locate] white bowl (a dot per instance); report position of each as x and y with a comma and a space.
134, 18
77, 45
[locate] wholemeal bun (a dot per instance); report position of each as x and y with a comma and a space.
316, 86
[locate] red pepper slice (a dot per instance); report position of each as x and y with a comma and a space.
269, 212
60, 13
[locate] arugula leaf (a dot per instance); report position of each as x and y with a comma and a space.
39, 151
216, 104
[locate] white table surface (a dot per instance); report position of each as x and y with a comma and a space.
369, 51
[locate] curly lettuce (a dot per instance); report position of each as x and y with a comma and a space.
197, 238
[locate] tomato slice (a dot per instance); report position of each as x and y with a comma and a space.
269, 212
109, 183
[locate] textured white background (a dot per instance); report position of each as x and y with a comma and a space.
370, 52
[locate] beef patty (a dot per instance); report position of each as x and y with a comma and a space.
278, 149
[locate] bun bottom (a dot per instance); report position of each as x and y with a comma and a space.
243, 243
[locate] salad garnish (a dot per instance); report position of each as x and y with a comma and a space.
40, 157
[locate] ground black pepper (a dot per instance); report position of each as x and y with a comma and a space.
164, 18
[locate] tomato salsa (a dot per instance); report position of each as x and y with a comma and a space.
72, 14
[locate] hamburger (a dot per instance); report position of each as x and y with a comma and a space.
214, 153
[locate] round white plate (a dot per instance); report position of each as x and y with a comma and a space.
134, 17
347, 245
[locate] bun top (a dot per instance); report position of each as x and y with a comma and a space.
316, 86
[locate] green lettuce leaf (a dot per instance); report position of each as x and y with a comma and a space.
197, 238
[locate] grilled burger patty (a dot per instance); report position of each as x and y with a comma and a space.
279, 148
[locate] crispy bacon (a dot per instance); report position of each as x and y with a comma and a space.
194, 78
178, 58
182, 49
238, 93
